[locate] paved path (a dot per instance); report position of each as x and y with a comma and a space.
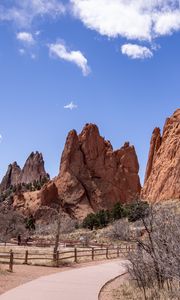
78, 284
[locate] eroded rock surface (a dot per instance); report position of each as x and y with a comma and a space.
92, 176
12, 177
162, 180
33, 170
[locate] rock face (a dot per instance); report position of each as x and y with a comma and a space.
32, 170
93, 176
154, 147
11, 178
162, 180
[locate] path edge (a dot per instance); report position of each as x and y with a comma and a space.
109, 281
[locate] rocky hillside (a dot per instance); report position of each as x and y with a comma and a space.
162, 179
92, 177
33, 170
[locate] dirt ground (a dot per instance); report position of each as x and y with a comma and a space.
109, 291
24, 273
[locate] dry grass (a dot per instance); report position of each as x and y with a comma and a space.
130, 291
124, 289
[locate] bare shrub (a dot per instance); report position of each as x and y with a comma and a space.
67, 226
12, 224
120, 230
156, 260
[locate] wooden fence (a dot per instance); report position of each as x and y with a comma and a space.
75, 255
42, 243
8, 258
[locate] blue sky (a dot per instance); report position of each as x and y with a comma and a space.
117, 64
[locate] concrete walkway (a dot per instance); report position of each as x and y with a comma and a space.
78, 284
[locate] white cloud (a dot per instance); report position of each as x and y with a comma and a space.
22, 51
38, 32
59, 50
26, 38
23, 12
1, 138
167, 23
136, 51
33, 56
132, 19
70, 106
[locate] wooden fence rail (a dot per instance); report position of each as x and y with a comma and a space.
41, 243
55, 259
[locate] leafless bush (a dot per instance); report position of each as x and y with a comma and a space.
11, 225
120, 230
155, 264
67, 226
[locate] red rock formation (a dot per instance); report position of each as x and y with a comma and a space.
154, 147
162, 181
11, 177
32, 170
93, 176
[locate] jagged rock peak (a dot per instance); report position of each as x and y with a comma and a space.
162, 180
11, 177
33, 170
93, 176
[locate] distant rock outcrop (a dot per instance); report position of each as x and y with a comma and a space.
162, 180
33, 170
12, 177
93, 176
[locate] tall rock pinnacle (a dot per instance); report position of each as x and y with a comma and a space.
162, 181
32, 170
93, 176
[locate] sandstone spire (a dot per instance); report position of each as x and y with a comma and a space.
162, 180
154, 147
32, 170
93, 176
11, 177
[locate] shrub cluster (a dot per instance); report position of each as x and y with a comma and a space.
132, 211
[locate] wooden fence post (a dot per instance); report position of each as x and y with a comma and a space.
11, 261
93, 253
57, 259
75, 255
26, 258
107, 251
